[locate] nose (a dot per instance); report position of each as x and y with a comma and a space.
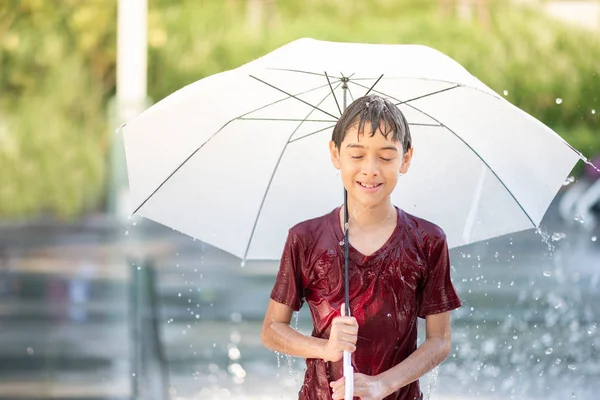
370, 166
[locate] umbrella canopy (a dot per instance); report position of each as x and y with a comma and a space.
238, 158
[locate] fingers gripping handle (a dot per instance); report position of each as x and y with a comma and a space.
348, 369
348, 376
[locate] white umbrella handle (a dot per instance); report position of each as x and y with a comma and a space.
348, 376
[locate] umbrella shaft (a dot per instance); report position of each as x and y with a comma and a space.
346, 241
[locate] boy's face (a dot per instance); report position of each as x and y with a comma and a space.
369, 165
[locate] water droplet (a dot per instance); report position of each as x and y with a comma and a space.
234, 354
505, 92
547, 274
30, 351
243, 263
197, 316
558, 100
594, 238
133, 374
556, 236
236, 317
389, 315
237, 370
569, 180
572, 367
138, 268
593, 111
126, 232
214, 345
549, 351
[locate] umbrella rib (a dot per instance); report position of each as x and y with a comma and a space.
321, 130
293, 96
262, 203
376, 82
335, 98
311, 133
212, 137
471, 148
301, 72
427, 95
181, 165
406, 101
285, 119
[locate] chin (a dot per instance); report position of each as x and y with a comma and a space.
370, 202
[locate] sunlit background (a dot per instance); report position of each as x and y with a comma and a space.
95, 304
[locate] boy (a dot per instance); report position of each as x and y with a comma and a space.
398, 270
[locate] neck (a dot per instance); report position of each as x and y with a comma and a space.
368, 217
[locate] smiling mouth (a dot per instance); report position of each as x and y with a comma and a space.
370, 185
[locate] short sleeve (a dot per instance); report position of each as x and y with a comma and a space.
288, 288
438, 293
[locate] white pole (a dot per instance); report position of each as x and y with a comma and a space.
131, 97
132, 59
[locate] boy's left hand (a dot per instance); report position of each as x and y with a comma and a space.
366, 387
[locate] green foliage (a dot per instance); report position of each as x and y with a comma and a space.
57, 72
55, 67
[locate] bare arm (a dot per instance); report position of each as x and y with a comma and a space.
430, 354
278, 335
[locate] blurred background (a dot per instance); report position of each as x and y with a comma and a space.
95, 304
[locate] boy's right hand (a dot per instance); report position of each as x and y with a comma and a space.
343, 336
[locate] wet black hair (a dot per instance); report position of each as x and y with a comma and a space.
380, 112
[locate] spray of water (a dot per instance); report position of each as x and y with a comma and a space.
432, 381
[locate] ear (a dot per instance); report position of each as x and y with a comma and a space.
335, 155
406, 161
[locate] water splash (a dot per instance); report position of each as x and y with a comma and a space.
296, 313
432, 381
569, 180
589, 163
545, 239
289, 363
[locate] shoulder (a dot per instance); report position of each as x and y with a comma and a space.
424, 231
310, 230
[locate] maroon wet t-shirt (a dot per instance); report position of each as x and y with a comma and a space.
408, 277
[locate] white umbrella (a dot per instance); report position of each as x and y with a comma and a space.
238, 158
